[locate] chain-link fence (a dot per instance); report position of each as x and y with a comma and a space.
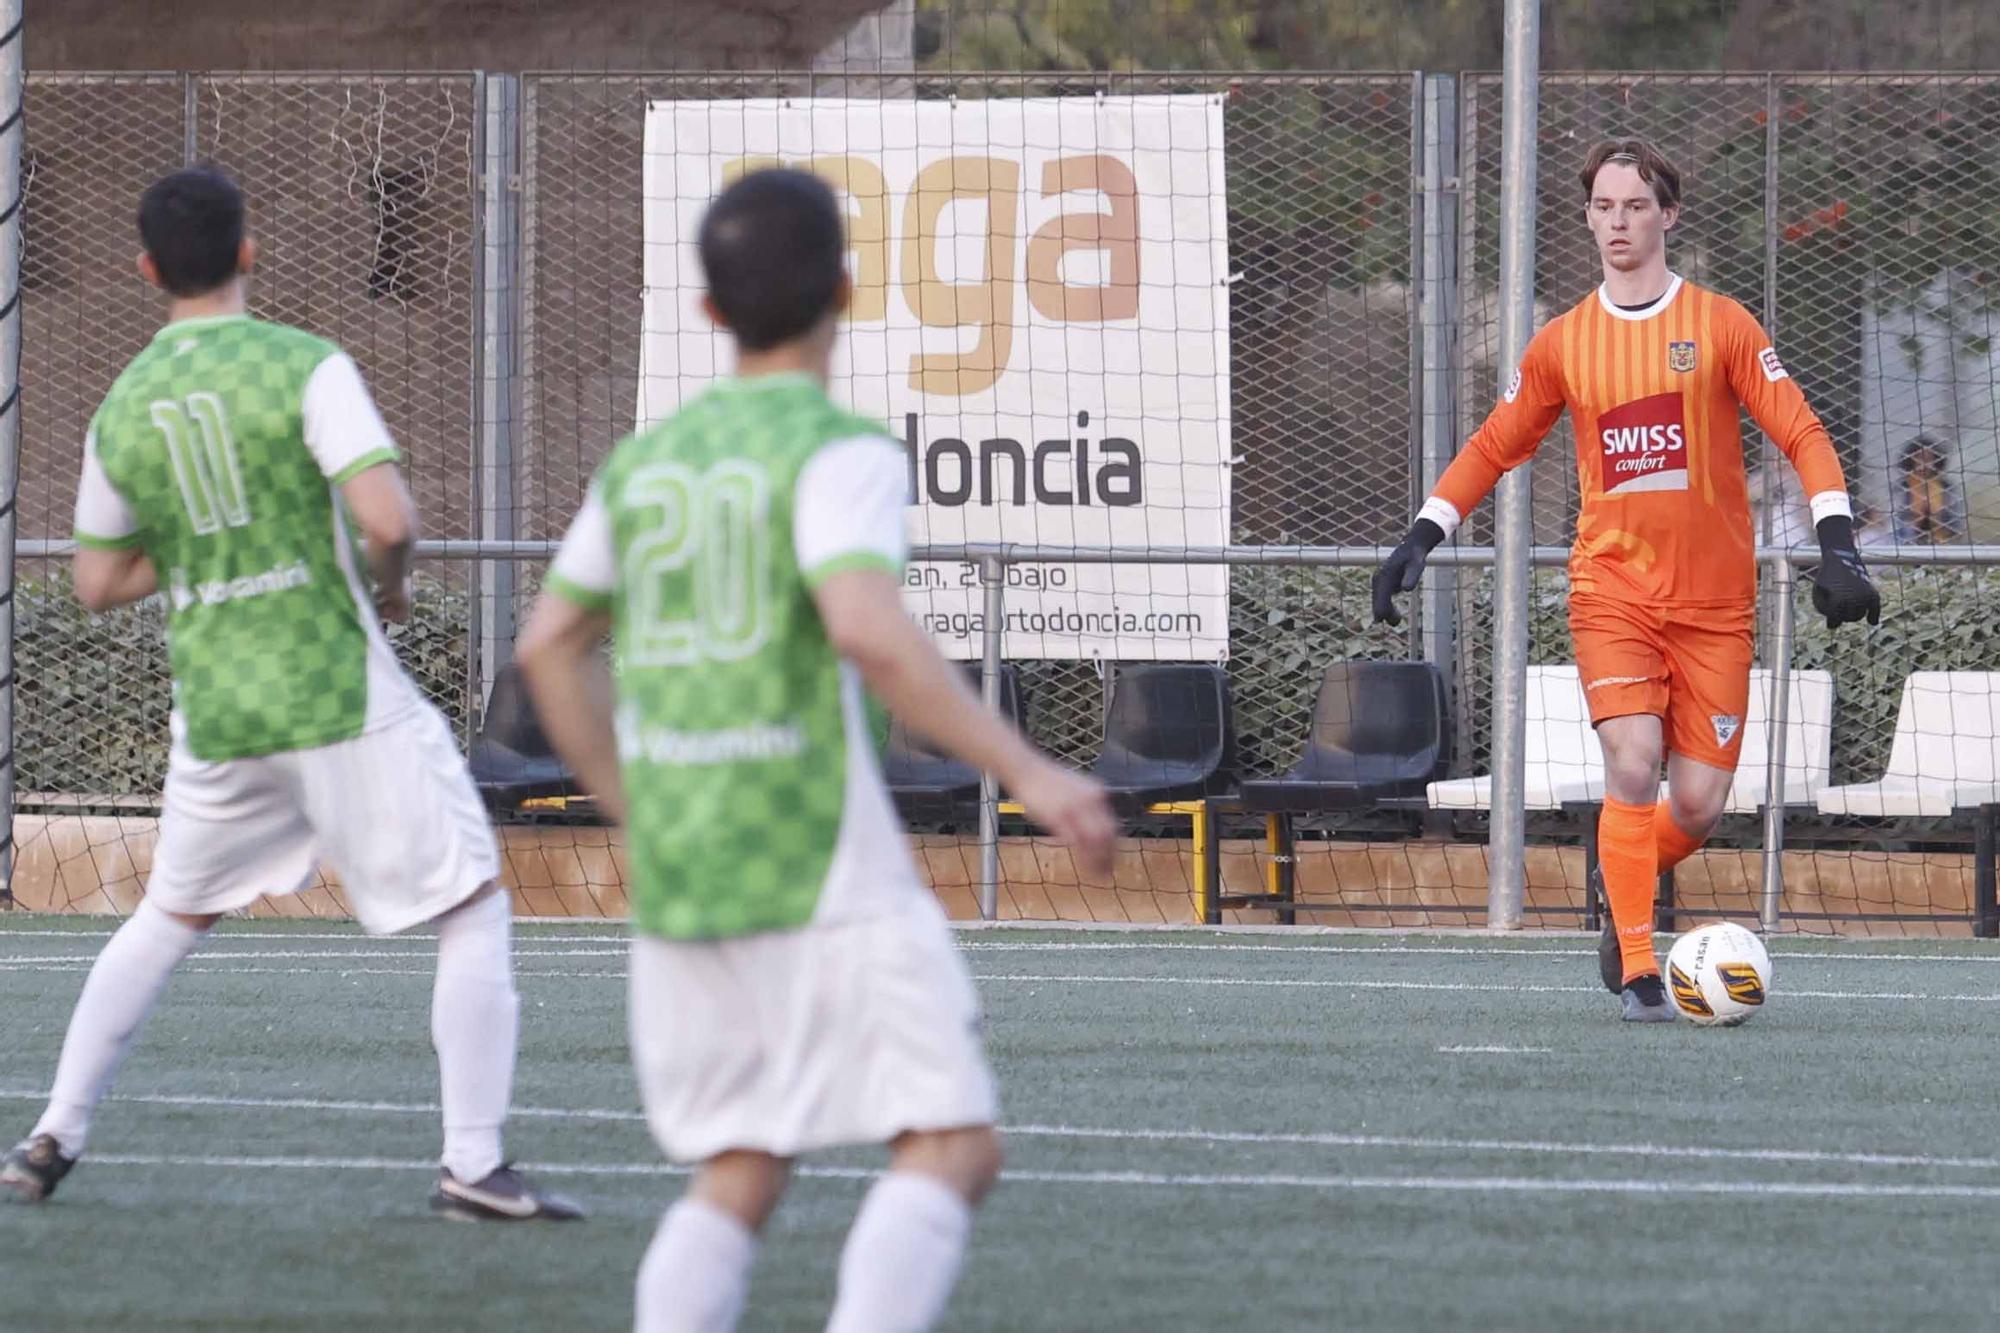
482, 256
1837, 209
1320, 216
363, 195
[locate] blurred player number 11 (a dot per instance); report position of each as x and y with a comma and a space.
210, 480
987, 303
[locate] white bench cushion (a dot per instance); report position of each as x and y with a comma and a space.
1565, 764
1945, 754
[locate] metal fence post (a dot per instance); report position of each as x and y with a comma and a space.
497, 280
993, 577
1514, 532
1780, 659
1778, 652
1768, 454
1469, 613
190, 119
1437, 304
1773, 113
13, 85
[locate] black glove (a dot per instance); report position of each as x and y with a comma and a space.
1405, 565
1841, 588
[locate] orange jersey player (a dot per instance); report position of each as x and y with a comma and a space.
1653, 370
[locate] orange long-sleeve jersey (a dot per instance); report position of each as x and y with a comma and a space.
1654, 397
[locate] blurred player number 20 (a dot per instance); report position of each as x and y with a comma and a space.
1106, 221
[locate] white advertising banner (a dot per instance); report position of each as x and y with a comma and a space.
1040, 316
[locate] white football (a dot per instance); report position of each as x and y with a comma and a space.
1718, 974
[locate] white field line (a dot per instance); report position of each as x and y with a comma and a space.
1031, 978
1496, 987
1244, 1138
224, 934
1496, 1050
358, 1107
617, 938
1774, 1189
335, 971
1498, 951
334, 954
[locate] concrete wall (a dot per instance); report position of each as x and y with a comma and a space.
438, 34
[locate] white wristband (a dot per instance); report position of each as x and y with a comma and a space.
1443, 513
1828, 503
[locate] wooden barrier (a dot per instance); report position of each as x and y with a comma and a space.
97, 864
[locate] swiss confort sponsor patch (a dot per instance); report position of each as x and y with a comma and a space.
1644, 445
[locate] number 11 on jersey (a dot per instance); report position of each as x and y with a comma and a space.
210, 479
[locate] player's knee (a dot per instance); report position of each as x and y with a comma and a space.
1698, 813
993, 1157
746, 1185
981, 1154
1632, 774
969, 1160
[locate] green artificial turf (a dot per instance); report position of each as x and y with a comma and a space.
1210, 1131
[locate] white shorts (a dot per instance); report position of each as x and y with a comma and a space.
790, 1041
394, 812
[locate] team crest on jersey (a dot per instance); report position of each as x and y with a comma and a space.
1680, 356
1725, 725
1643, 445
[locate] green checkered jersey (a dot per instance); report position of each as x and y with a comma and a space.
755, 800
217, 452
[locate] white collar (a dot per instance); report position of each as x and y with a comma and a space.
1665, 299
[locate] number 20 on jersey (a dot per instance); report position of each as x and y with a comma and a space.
699, 576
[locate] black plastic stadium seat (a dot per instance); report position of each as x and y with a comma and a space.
928, 786
1380, 730
512, 760
1169, 735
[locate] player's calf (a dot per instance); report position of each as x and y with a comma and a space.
902, 1258
1610, 958
696, 1273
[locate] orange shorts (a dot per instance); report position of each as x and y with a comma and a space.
1689, 667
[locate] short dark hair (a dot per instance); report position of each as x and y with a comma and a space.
773, 251
1648, 161
191, 222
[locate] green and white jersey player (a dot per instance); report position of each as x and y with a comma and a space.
228, 468
794, 985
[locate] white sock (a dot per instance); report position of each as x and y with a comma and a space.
696, 1273
902, 1256
475, 1022
123, 985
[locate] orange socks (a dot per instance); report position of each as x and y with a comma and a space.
1630, 857
1675, 843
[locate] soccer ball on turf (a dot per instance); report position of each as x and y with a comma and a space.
1718, 974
